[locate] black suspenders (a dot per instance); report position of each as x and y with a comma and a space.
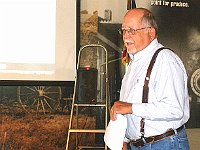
146, 86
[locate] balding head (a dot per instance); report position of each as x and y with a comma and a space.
143, 16
139, 29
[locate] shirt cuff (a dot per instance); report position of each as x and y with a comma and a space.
138, 109
126, 140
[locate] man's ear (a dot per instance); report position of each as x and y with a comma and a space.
152, 33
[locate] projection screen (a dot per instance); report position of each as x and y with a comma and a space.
37, 40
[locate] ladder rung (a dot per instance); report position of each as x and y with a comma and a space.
93, 105
87, 130
90, 147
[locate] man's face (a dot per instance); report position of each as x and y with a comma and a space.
138, 40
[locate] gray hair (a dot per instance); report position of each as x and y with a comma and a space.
148, 19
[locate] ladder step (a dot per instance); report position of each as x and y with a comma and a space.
87, 130
93, 105
90, 147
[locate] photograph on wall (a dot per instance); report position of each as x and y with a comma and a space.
178, 29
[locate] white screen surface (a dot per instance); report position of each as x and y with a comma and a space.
37, 40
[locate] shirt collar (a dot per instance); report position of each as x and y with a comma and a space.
149, 49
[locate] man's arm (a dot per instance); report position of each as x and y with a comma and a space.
120, 107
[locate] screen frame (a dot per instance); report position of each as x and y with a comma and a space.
16, 82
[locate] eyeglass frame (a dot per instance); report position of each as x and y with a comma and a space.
122, 31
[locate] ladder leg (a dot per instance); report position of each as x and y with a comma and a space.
67, 145
76, 128
70, 124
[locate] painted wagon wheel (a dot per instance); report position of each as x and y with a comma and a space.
40, 99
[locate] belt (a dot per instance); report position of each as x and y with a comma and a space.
151, 139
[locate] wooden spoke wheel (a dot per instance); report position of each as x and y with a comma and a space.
40, 99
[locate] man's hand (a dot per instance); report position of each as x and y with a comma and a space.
120, 107
125, 146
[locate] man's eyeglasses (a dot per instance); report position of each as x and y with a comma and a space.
130, 30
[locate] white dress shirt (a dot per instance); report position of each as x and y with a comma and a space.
168, 100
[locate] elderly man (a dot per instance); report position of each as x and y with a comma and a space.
157, 122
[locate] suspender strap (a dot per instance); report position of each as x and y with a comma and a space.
147, 78
146, 86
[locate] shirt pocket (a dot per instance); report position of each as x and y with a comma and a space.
137, 90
